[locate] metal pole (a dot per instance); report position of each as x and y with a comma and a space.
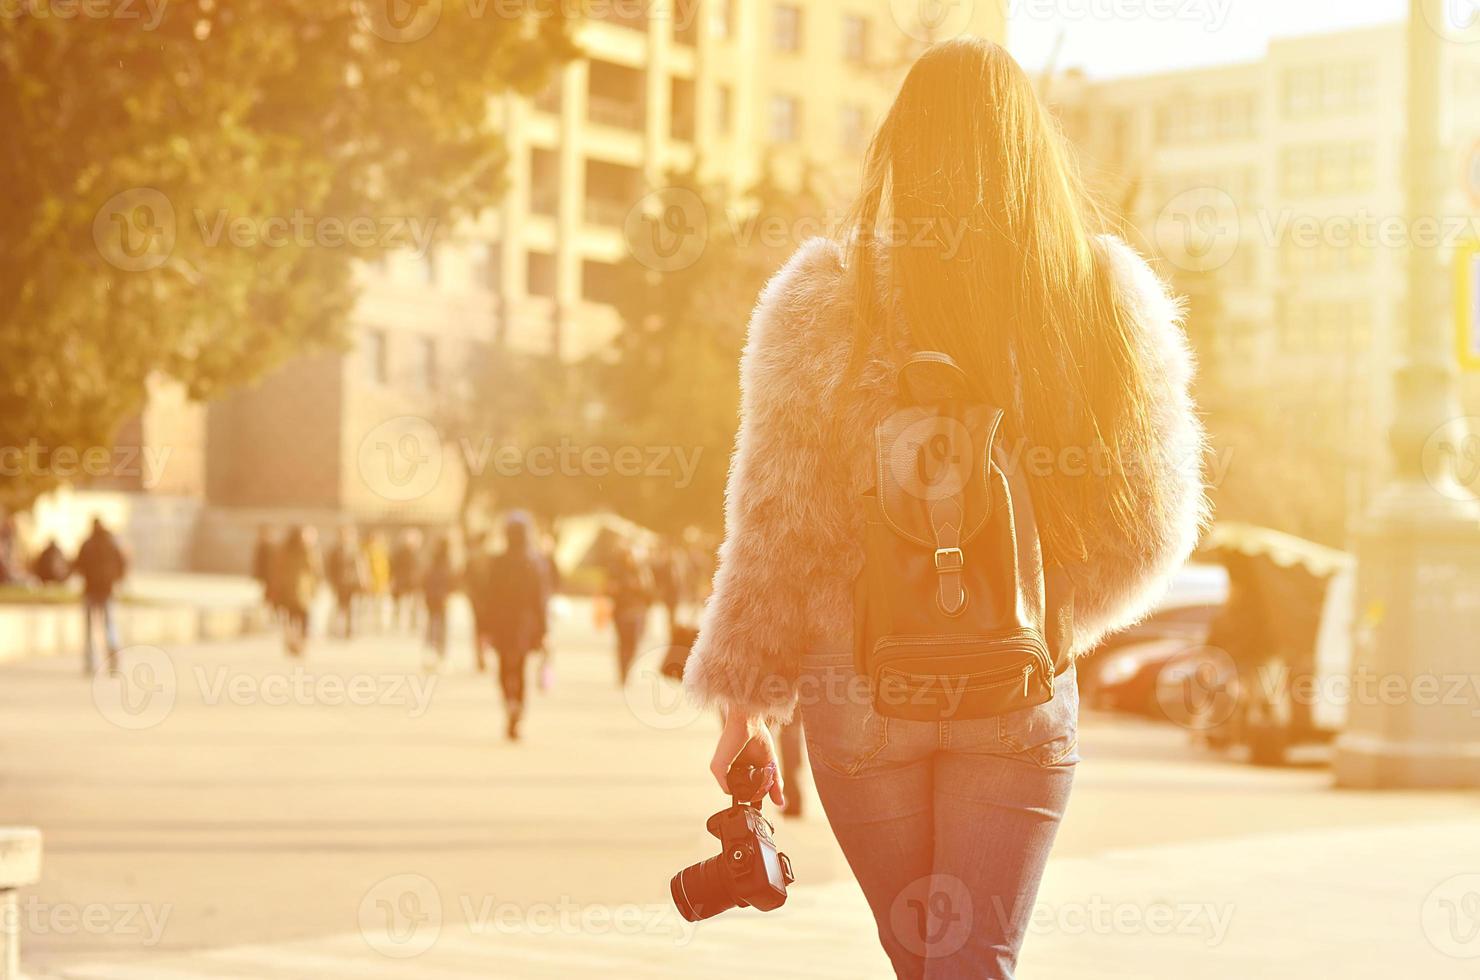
1418, 613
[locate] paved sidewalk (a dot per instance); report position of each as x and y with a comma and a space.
265, 823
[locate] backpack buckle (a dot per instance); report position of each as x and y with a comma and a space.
949, 560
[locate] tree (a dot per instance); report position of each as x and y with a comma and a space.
187, 187
670, 385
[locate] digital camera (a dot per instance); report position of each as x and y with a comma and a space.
747, 871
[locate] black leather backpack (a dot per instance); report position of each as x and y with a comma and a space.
952, 620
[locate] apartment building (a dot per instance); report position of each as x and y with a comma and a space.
1272, 193
732, 87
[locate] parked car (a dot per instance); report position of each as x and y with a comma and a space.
1121, 674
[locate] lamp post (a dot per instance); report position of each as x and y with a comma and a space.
1417, 625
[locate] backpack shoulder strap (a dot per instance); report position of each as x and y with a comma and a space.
931, 376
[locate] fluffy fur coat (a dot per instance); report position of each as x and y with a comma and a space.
794, 518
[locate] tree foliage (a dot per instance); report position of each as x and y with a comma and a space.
671, 383
187, 185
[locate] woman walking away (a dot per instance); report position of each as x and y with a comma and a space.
299, 574
888, 385
517, 610
630, 589
438, 585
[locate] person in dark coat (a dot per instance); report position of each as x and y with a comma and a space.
477, 580
630, 589
406, 574
102, 564
518, 596
438, 584
299, 573
264, 568
51, 566
349, 577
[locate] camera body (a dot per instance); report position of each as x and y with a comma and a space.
749, 870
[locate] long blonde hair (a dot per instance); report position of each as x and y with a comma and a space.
974, 226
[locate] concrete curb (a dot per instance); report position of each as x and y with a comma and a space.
20, 865
52, 630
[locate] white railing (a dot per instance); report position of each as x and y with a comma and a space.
20, 866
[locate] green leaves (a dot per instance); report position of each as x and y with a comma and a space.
131, 130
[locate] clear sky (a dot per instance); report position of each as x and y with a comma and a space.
1109, 38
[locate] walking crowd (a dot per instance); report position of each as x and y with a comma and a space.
508, 579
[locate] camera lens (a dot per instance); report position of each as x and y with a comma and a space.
702, 891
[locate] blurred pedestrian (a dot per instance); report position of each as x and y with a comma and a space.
517, 606
102, 564
670, 569
349, 578
477, 581
299, 575
264, 567
438, 584
51, 567
630, 588
378, 591
406, 573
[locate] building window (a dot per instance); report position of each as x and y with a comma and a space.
786, 119
855, 38
724, 110
540, 275
722, 18
854, 128
376, 351
788, 27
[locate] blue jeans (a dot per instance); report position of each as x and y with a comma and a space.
99, 609
948, 825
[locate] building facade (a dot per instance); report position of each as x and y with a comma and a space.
732, 89
1273, 195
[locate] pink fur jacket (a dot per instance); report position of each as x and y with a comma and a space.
794, 518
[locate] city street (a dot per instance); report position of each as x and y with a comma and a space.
226, 812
